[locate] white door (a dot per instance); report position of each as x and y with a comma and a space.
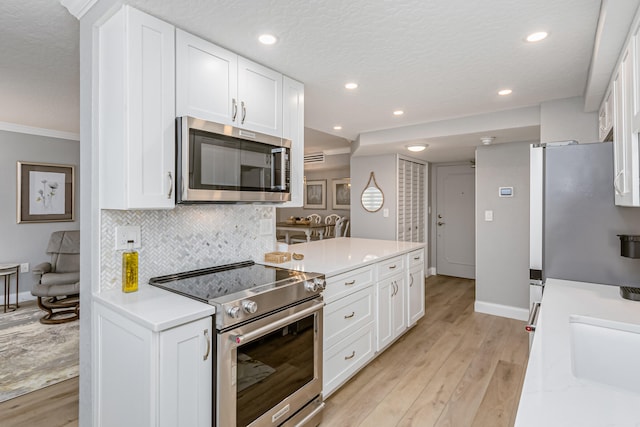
455, 226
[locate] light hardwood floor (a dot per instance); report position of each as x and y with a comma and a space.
455, 368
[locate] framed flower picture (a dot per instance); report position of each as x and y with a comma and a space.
45, 192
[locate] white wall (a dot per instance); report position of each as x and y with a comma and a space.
27, 242
502, 245
565, 119
374, 225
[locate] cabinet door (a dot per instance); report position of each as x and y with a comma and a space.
206, 80
293, 129
260, 97
137, 112
625, 139
152, 112
415, 293
391, 309
186, 376
604, 117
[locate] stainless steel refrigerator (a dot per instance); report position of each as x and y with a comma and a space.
574, 221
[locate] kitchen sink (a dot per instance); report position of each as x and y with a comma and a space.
605, 351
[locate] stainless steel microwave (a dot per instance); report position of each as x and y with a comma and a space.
221, 163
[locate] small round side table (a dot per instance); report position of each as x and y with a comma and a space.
6, 271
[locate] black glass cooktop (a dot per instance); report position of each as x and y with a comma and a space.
222, 282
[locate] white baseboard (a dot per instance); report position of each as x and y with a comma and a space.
25, 296
431, 271
502, 310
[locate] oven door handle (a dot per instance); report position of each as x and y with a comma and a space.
240, 339
533, 317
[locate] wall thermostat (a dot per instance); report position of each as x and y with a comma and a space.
505, 191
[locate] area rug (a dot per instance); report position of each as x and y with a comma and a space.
33, 355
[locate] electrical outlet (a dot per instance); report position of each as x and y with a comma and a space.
125, 233
24, 267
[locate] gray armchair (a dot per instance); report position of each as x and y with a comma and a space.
58, 289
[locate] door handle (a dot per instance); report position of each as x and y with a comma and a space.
440, 223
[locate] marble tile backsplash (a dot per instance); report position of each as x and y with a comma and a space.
185, 238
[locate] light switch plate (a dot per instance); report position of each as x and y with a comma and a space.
125, 233
488, 215
24, 267
385, 213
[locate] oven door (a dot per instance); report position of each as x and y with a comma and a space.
270, 368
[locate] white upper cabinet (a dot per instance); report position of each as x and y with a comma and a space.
215, 84
136, 112
293, 129
206, 80
605, 116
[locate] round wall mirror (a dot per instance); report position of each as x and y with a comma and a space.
372, 197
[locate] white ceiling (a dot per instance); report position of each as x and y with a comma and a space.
435, 59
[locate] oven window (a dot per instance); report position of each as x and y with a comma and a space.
273, 367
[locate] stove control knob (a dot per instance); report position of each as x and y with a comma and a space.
234, 312
311, 286
321, 283
249, 306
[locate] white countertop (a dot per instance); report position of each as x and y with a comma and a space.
551, 394
154, 308
335, 256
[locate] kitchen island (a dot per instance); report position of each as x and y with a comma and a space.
334, 256
374, 293
552, 395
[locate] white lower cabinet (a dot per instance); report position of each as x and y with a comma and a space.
367, 309
415, 287
392, 318
147, 378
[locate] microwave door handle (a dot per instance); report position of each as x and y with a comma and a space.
283, 168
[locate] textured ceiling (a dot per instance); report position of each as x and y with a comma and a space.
39, 65
435, 59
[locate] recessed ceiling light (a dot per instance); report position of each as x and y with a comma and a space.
536, 37
417, 147
504, 92
268, 39
351, 85
398, 113
337, 128
487, 140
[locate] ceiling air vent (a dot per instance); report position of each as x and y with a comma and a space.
313, 158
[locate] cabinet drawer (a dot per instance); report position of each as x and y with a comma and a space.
346, 283
346, 315
390, 267
347, 357
416, 258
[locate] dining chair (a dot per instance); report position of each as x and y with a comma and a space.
301, 238
330, 221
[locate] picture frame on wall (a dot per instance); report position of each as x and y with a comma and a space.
315, 194
341, 193
45, 192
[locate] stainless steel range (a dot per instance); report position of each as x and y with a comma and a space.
269, 341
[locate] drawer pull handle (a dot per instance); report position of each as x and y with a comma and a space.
416, 258
353, 353
350, 283
349, 316
392, 267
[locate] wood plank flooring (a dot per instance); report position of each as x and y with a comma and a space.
455, 368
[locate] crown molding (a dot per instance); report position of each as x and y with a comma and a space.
78, 7
14, 127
